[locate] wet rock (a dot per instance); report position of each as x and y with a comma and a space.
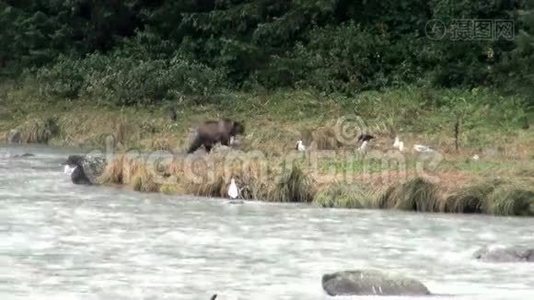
369, 282
14, 137
504, 254
84, 169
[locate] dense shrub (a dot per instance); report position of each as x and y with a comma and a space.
63, 79
332, 46
128, 81
343, 58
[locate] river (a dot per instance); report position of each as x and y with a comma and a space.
63, 241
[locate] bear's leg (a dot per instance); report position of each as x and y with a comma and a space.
225, 140
208, 147
195, 145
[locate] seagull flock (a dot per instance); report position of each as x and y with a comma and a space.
364, 139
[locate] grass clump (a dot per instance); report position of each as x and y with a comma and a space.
342, 195
293, 186
144, 181
325, 138
495, 197
39, 131
510, 200
416, 194
113, 172
470, 199
170, 188
210, 175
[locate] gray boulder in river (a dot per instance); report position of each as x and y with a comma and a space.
504, 254
84, 169
369, 282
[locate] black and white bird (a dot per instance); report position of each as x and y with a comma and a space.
364, 137
74, 168
84, 169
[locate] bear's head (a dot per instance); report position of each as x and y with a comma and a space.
237, 128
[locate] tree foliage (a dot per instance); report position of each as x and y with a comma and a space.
331, 45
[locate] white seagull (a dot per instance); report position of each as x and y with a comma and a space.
398, 144
233, 191
363, 146
300, 146
475, 157
422, 148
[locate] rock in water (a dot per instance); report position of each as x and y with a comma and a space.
504, 254
368, 282
14, 137
86, 169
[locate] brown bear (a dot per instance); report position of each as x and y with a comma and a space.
213, 132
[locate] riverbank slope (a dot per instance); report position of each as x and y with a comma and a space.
490, 171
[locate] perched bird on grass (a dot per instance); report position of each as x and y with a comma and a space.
364, 137
422, 149
363, 146
398, 144
300, 146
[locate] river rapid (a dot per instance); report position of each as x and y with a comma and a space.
63, 241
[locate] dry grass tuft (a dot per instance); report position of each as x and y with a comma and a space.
143, 180
39, 131
324, 138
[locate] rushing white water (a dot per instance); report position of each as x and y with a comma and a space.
64, 241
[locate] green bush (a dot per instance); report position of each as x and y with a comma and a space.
345, 58
128, 81
62, 79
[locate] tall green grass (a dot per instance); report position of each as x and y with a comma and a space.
416, 194
342, 195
